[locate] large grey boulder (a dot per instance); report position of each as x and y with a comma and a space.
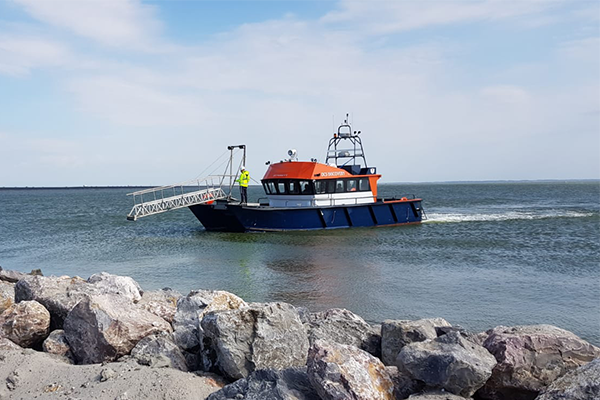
449, 362
259, 336
530, 358
7, 295
7, 344
159, 351
60, 294
395, 334
582, 383
188, 333
287, 384
56, 343
115, 284
344, 327
340, 371
162, 303
106, 327
26, 323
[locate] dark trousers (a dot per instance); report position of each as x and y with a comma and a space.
244, 194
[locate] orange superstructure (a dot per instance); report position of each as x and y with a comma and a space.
314, 171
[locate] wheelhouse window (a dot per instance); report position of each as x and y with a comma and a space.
305, 187
320, 186
351, 185
281, 187
293, 187
330, 186
326, 186
363, 185
288, 186
269, 187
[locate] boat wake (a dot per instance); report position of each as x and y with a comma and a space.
433, 218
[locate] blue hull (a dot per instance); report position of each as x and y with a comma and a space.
233, 217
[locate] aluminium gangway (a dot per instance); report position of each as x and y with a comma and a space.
164, 198
197, 191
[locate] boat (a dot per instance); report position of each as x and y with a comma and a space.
309, 195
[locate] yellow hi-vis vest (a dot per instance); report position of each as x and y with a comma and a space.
244, 179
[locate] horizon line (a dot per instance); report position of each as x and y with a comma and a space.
381, 183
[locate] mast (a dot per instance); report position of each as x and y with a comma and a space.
345, 149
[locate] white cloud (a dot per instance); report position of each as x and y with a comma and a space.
507, 94
20, 54
383, 17
128, 102
585, 49
118, 23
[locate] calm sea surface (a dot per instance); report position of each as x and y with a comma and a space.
490, 254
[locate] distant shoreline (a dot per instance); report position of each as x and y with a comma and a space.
381, 183
71, 187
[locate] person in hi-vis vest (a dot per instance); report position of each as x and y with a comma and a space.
244, 180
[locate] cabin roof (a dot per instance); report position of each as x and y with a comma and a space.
305, 170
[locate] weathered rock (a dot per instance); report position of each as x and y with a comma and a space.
120, 285
344, 327
404, 384
258, 336
7, 344
287, 384
395, 334
103, 328
471, 336
7, 295
530, 358
436, 396
449, 362
15, 276
188, 333
159, 351
304, 314
56, 343
60, 294
582, 383
26, 323
339, 371
162, 303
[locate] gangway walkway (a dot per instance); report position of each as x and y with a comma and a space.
164, 198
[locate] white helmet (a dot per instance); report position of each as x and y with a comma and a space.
243, 168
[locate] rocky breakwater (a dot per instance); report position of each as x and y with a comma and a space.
105, 338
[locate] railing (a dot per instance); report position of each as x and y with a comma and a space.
164, 198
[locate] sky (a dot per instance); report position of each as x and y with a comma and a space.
130, 92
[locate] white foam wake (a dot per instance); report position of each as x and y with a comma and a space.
505, 216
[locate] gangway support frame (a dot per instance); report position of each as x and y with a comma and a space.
160, 203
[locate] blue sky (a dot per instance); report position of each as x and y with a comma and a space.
126, 92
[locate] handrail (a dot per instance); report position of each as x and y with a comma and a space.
186, 183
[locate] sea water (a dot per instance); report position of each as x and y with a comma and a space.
489, 254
